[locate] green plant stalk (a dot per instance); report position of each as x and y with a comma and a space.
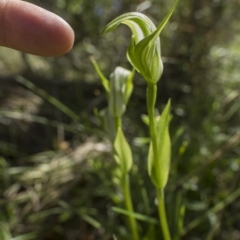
129, 206
118, 122
162, 214
151, 100
127, 194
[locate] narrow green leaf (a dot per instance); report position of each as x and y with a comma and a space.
123, 153
27, 236
55, 102
159, 29
104, 81
41, 120
164, 142
138, 216
145, 119
91, 221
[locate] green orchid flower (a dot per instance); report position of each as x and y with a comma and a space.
119, 88
120, 91
144, 52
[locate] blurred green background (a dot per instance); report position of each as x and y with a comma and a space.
57, 176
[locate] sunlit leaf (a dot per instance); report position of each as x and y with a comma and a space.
151, 168
158, 167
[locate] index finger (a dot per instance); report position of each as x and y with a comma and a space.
31, 29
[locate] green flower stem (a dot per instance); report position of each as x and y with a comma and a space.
151, 100
129, 206
127, 194
118, 122
162, 214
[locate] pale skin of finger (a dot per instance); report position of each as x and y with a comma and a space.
31, 29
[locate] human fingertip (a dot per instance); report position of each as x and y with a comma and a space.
34, 30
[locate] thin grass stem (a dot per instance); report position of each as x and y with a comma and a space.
55, 102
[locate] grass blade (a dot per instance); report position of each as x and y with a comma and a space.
40, 120
55, 102
137, 216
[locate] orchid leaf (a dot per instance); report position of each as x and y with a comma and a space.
163, 139
158, 167
151, 166
123, 153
